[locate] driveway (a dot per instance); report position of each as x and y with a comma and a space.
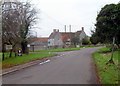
71, 67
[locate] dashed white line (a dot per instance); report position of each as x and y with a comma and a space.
45, 62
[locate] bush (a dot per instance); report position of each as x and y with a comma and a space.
85, 41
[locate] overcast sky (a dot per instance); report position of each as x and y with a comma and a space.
54, 14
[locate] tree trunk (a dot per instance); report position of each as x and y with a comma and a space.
15, 53
111, 60
3, 52
3, 56
12, 50
10, 54
24, 47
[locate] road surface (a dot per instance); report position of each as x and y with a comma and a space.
71, 67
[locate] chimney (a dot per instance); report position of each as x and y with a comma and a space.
82, 28
65, 28
70, 27
54, 30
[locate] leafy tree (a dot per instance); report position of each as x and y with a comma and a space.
94, 38
108, 25
75, 40
85, 41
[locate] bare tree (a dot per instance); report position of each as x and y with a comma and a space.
10, 25
18, 19
28, 20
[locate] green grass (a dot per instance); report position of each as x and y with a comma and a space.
59, 50
24, 59
13, 61
6, 55
108, 73
0, 55
66, 49
0, 58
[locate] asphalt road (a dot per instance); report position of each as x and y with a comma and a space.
72, 67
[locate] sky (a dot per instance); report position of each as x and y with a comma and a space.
54, 14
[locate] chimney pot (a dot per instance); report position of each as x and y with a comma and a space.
70, 27
54, 30
82, 28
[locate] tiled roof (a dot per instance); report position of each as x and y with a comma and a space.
39, 41
52, 35
42, 39
67, 35
45, 39
78, 33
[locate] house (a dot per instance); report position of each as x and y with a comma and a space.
81, 34
37, 44
64, 38
54, 39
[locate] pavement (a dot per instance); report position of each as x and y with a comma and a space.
71, 67
23, 66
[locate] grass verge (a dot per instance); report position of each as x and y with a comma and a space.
59, 50
24, 59
0, 56
67, 49
108, 74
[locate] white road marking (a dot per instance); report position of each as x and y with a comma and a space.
45, 62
